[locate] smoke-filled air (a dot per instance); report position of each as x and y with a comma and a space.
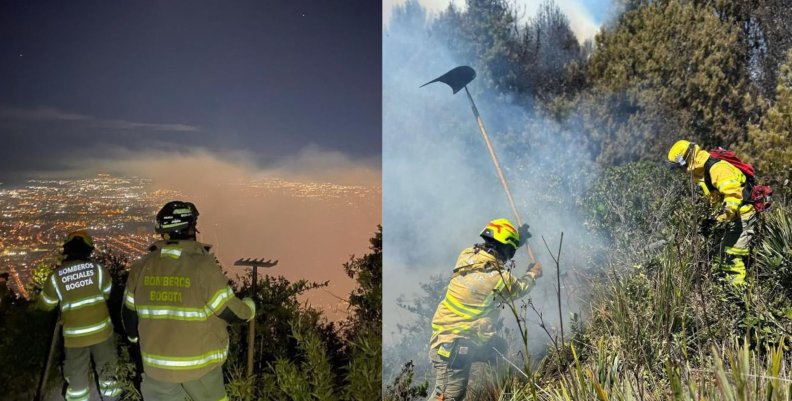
316, 200
582, 130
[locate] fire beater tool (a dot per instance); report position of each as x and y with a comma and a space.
458, 79
254, 263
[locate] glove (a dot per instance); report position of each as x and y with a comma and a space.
524, 234
249, 302
706, 225
535, 269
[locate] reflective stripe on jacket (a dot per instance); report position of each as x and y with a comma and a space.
470, 306
81, 288
727, 187
177, 292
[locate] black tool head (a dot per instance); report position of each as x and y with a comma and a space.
456, 78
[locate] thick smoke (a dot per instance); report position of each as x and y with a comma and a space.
243, 214
440, 187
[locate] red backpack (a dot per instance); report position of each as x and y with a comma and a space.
757, 195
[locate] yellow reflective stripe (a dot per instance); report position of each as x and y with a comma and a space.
55, 284
172, 312
736, 251
460, 306
172, 252
225, 398
500, 284
111, 392
185, 363
109, 388
48, 300
729, 183
460, 328
455, 311
101, 279
86, 330
219, 299
454, 328
129, 299
77, 395
731, 201
83, 302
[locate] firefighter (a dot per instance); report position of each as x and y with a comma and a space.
178, 303
728, 190
463, 325
82, 287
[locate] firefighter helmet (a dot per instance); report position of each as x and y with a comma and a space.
502, 231
79, 235
681, 152
177, 219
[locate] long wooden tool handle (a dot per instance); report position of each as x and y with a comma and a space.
48, 364
502, 178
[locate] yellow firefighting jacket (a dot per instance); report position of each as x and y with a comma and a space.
81, 287
178, 291
470, 307
728, 182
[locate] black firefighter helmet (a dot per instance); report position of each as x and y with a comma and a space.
177, 220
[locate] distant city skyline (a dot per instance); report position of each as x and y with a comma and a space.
118, 212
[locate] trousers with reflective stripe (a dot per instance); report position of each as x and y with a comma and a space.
76, 365
735, 249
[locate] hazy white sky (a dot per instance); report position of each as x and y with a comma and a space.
586, 16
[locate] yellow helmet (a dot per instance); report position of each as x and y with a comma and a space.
503, 231
680, 152
81, 234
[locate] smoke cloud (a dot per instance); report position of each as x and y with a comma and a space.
311, 211
584, 24
441, 188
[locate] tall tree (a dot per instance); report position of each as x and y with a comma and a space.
365, 302
667, 69
765, 35
547, 46
769, 144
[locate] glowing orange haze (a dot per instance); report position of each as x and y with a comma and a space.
311, 236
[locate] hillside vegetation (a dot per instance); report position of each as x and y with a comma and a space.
655, 322
299, 354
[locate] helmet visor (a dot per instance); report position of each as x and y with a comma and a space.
680, 160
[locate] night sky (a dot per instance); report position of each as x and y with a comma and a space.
112, 79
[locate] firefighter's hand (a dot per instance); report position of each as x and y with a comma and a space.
536, 270
524, 234
252, 305
706, 226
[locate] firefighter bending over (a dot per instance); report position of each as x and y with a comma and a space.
731, 192
463, 329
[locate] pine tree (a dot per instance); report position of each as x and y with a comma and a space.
769, 144
667, 69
